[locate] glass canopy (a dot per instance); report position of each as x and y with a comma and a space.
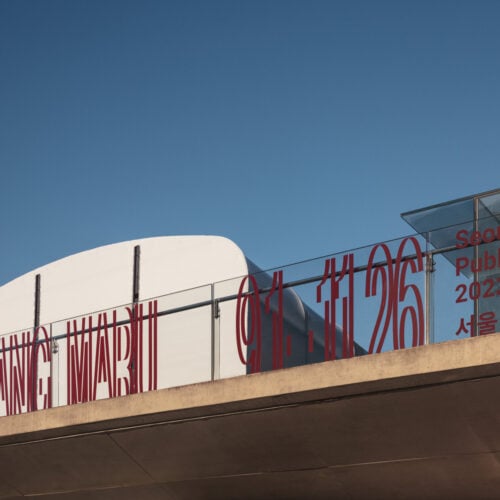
439, 224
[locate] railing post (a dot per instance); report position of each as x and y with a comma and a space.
215, 334
475, 278
429, 295
54, 372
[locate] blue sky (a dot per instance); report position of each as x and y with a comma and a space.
295, 128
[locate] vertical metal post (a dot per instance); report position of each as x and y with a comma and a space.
36, 324
429, 295
36, 321
54, 373
136, 277
134, 340
476, 263
215, 334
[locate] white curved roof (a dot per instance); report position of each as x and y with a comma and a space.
102, 278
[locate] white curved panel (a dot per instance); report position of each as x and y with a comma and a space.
102, 278
187, 262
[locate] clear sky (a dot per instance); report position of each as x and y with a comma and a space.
295, 128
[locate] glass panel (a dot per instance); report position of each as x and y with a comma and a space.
441, 216
368, 300
487, 259
25, 371
466, 281
228, 361
451, 303
391, 295
490, 204
91, 356
184, 337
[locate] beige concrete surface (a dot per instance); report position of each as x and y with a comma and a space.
418, 423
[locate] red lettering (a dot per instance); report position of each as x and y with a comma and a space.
102, 368
92, 363
18, 372
462, 236
277, 318
395, 290
20, 380
347, 306
4, 388
490, 262
44, 384
485, 262
97, 369
153, 346
488, 235
460, 264
249, 336
120, 356
80, 361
